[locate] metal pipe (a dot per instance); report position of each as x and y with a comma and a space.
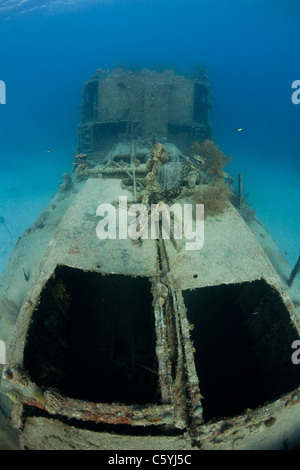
294, 273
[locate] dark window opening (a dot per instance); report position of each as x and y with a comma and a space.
93, 338
182, 136
107, 134
142, 158
200, 103
242, 337
122, 158
90, 101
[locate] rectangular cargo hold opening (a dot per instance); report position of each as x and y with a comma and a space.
242, 336
92, 337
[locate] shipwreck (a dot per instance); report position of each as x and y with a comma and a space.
136, 342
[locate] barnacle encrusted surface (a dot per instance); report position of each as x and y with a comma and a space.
53, 400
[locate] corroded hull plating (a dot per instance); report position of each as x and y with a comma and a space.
142, 344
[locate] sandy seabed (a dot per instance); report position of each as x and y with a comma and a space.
24, 193
274, 192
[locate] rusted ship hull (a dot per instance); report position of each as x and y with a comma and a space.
142, 344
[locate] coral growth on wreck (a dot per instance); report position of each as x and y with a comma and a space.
208, 156
158, 181
212, 189
215, 197
169, 175
200, 176
159, 157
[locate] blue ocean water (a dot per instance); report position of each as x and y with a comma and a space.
250, 48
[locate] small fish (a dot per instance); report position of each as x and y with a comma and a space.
240, 129
49, 151
26, 275
255, 313
4, 222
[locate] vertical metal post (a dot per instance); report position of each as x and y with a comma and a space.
240, 190
294, 273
